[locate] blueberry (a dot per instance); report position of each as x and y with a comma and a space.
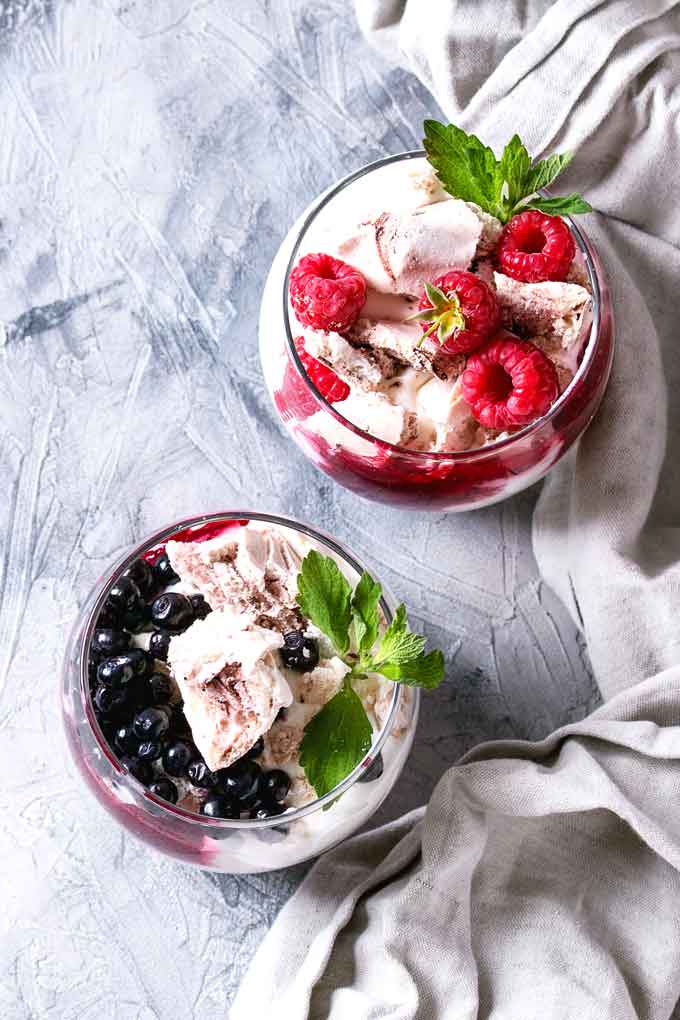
149, 750
267, 809
121, 670
117, 671
163, 572
172, 611
164, 788
299, 652
177, 757
274, 786
200, 775
374, 770
256, 750
241, 779
138, 617
109, 701
123, 595
108, 641
142, 574
151, 723
141, 770
220, 805
109, 618
159, 643
160, 688
200, 607
125, 739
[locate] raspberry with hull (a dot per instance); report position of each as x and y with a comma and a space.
459, 310
326, 293
534, 247
509, 383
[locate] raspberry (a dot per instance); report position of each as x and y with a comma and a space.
509, 382
325, 293
461, 309
326, 381
535, 247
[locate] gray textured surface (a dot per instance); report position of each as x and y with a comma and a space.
152, 157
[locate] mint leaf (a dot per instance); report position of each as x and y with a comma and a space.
465, 167
335, 740
398, 643
365, 612
544, 171
324, 596
512, 173
469, 170
560, 205
423, 671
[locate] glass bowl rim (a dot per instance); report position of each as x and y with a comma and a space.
482, 452
87, 628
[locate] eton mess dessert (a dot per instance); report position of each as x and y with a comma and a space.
235, 670
440, 301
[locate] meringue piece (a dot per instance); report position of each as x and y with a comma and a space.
398, 253
362, 367
430, 242
253, 571
230, 682
552, 314
404, 341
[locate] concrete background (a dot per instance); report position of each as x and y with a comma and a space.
153, 156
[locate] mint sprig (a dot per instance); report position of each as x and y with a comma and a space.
335, 740
503, 187
339, 735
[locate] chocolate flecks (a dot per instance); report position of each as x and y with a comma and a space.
379, 227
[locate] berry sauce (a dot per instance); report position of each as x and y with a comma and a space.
197, 533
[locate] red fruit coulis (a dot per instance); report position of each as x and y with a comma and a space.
195, 533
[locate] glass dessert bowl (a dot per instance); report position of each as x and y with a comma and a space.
160, 665
414, 454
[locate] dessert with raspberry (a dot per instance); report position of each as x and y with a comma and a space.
440, 303
241, 670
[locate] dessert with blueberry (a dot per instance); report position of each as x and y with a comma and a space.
441, 305
239, 672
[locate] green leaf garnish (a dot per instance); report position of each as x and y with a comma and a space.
560, 205
423, 671
335, 740
324, 596
365, 612
469, 170
339, 735
398, 644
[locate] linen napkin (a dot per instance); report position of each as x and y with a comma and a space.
544, 879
